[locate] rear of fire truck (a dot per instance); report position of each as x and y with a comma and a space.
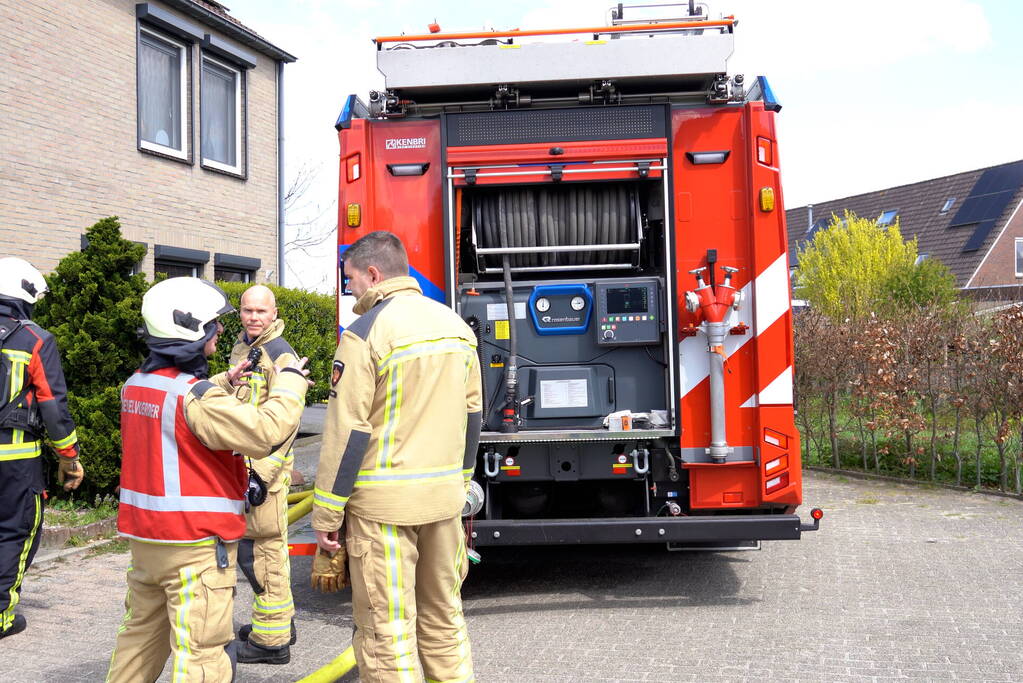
603, 208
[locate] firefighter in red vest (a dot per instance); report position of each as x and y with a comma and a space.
184, 486
33, 400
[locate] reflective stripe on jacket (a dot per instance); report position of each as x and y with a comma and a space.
174, 489
403, 419
276, 467
32, 355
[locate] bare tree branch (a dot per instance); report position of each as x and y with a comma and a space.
308, 224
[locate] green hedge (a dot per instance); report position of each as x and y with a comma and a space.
94, 311
310, 328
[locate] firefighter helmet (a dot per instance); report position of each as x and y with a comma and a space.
19, 279
181, 307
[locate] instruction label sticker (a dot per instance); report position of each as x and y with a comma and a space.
502, 330
564, 393
500, 311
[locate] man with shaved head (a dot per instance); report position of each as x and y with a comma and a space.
263, 554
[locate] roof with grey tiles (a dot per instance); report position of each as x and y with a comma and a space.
919, 206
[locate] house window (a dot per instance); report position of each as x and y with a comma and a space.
1019, 257
921, 258
162, 94
221, 116
177, 269
179, 262
947, 206
231, 275
233, 268
887, 218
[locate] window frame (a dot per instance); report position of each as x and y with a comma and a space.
240, 90
249, 276
197, 268
1018, 256
185, 81
884, 224
196, 259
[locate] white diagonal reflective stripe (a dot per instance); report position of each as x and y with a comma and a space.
764, 301
779, 391
179, 503
771, 289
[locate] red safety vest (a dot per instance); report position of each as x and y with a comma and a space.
174, 489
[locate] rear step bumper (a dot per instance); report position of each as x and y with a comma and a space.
639, 530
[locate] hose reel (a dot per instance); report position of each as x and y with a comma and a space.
557, 228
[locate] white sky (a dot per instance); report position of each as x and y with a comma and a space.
874, 94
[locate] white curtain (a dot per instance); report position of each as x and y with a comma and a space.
219, 118
160, 91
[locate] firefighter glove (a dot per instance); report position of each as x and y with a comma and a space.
330, 572
70, 472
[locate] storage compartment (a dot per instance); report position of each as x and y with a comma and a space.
586, 391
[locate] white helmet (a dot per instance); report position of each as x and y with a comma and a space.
19, 279
179, 308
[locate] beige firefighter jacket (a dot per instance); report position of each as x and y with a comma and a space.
275, 469
403, 418
222, 423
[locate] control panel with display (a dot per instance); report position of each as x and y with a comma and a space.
627, 312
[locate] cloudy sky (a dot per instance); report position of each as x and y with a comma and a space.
874, 94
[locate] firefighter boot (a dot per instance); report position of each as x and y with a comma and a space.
244, 631
251, 653
18, 625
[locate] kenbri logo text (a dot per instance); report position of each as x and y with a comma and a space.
405, 143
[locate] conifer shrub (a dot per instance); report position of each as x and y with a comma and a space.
93, 309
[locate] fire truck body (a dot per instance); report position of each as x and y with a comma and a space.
581, 186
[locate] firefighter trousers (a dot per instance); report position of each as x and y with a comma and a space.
263, 556
407, 602
21, 515
178, 603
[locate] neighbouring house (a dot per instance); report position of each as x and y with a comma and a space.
167, 114
970, 221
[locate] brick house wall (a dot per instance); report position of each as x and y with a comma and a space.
70, 149
999, 265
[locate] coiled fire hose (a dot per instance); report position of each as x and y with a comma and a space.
300, 505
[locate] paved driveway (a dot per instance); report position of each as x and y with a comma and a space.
901, 583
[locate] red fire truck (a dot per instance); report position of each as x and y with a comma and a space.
603, 207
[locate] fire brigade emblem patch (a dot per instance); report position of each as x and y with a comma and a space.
335, 374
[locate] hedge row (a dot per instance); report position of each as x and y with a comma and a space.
93, 309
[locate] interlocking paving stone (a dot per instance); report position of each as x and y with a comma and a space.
923, 584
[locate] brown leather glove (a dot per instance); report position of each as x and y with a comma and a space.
70, 472
330, 572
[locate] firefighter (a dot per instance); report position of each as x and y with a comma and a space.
33, 398
263, 553
399, 446
184, 486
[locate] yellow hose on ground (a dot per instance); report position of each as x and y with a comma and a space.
300, 509
344, 662
295, 497
341, 665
